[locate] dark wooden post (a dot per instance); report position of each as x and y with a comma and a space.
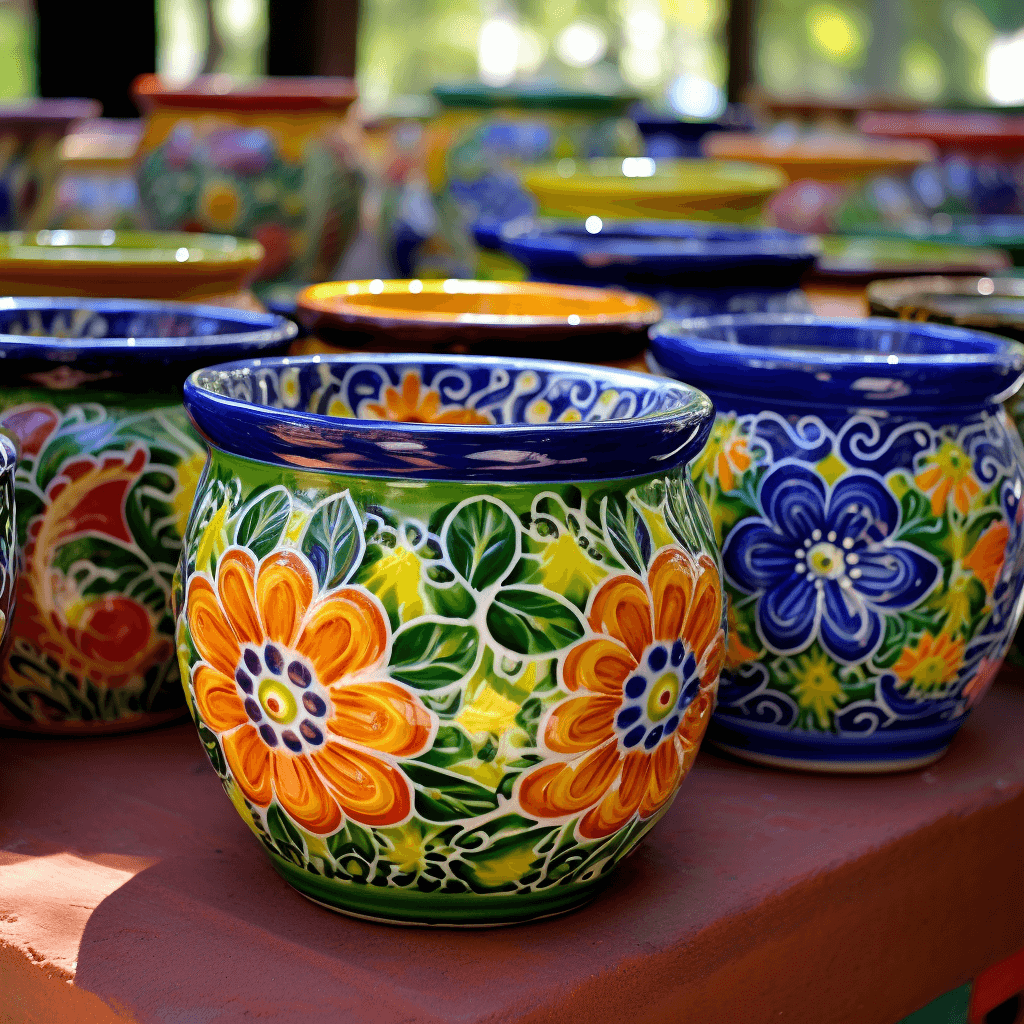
312, 37
740, 41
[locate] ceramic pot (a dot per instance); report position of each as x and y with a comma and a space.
640, 187
8, 544
107, 468
865, 483
30, 139
451, 625
267, 160
668, 136
130, 264
689, 268
486, 317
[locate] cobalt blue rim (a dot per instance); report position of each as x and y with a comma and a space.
765, 359
654, 442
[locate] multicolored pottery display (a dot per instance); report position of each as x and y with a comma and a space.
30, 138
1003, 231
130, 264
639, 187
267, 160
861, 259
107, 467
866, 486
690, 268
451, 626
486, 317
8, 543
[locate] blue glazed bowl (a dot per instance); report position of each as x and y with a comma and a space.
865, 484
691, 268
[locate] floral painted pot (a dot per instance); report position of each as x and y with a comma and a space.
451, 626
8, 544
690, 268
268, 160
506, 318
108, 465
865, 484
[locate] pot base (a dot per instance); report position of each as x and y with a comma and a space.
434, 910
880, 767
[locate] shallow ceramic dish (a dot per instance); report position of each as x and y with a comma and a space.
107, 468
639, 187
451, 626
865, 483
690, 268
497, 317
8, 543
127, 264
1002, 231
851, 258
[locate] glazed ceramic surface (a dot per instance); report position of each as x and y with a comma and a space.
30, 138
8, 545
451, 626
1003, 231
128, 264
488, 317
850, 258
108, 465
268, 160
667, 136
865, 483
690, 268
644, 188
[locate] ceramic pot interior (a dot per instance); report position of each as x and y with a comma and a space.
172, 248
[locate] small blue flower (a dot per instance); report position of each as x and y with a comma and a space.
822, 562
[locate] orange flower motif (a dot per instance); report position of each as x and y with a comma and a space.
643, 692
725, 455
737, 652
930, 665
948, 474
291, 683
417, 404
987, 556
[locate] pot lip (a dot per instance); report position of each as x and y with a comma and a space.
935, 256
181, 251
259, 329
224, 92
692, 410
474, 95
840, 152
894, 293
658, 240
48, 113
687, 335
337, 302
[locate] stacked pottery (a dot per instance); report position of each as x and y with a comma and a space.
865, 484
450, 626
107, 467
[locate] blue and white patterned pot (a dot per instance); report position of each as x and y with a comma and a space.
865, 483
691, 268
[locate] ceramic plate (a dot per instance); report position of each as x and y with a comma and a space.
863, 257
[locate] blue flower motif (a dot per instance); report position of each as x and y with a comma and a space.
822, 563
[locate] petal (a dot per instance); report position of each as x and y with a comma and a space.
303, 795
248, 757
693, 726
217, 699
236, 575
939, 498
725, 480
369, 790
687, 598
410, 391
850, 628
600, 665
714, 659
429, 406
756, 557
621, 802
928, 478
895, 576
793, 499
284, 588
344, 633
863, 509
666, 774
622, 610
213, 637
787, 616
581, 723
382, 716
556, 790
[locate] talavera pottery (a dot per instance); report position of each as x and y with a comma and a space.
130, 264
107, 469
667, 135
8, 544
846, 258
487, 317
30, 137
865, 484
691, 268
451, 626
1004, 232
268, 160
639, 187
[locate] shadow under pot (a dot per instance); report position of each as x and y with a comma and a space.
8, 545
864, 482
690, 268
107, 467
451, 627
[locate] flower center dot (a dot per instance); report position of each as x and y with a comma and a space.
826, 560
277, 701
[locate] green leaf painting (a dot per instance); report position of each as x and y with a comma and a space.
482, 542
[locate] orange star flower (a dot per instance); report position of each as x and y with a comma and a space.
987, 555
416, 404
642, 694
948, 474
290, 682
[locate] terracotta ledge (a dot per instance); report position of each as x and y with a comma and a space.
762, 897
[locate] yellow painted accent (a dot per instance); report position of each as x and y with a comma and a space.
831, 468
661, 535
213, 541
489, 712
504, 869
399, 572
189, 471
817, 688
408, 847
564, 563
